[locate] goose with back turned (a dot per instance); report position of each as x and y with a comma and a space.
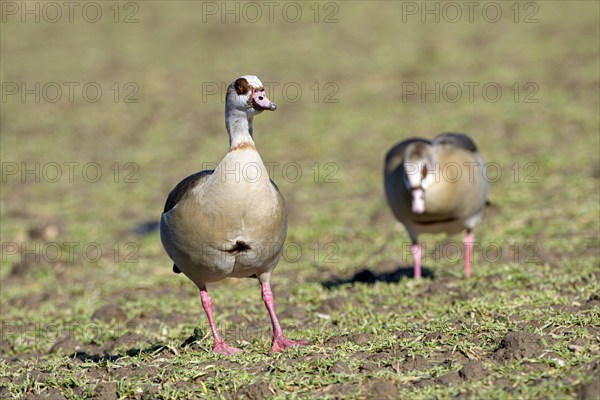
230, 222
436, 186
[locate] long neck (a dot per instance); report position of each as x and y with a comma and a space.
239, 127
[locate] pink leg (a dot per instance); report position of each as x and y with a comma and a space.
468, 243
416, 252
220, 347
280, 342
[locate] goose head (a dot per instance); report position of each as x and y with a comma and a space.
419, 169
247, 94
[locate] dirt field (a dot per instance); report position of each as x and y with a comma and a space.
102, 115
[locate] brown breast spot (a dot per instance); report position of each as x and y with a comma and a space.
238, 247
243, 146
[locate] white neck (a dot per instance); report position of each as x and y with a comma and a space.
239, 127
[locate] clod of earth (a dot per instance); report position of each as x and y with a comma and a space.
451, 378
256, 391
593, 301
50, 394
340, 367
518, 345
380, 389
416, 363
591, 390
110, 312
66, 346
105, 391
296, 313
361, 338
337, 303
472, 370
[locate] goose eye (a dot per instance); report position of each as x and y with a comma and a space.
240, 88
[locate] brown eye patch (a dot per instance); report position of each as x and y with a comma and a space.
241, 86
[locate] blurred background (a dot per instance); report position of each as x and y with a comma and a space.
107, 105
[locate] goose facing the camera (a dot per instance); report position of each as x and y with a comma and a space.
230, 222
436, 186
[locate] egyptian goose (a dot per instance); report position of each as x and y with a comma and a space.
230, 222
436, 186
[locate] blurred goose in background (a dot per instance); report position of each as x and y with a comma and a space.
230, 222
436, 186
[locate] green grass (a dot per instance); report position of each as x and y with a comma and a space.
540, 275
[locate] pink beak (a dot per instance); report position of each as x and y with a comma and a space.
418, 201
260, 101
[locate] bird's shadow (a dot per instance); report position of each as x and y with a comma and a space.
146, 227
100, 358
368, 276
154, 349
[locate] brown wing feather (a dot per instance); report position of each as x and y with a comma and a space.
182, 188
179, 191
